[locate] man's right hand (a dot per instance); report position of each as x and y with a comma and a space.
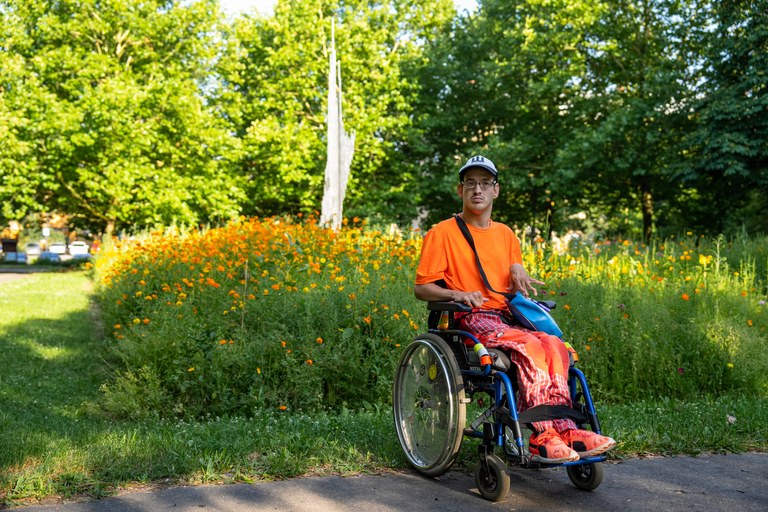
472, 299
434, 293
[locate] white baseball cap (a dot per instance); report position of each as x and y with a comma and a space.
481, 162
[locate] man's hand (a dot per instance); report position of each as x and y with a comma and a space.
520, 281
433, 292
472, 299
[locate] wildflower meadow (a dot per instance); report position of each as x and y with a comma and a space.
279, 314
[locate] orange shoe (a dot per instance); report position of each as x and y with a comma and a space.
587, 443
549, 448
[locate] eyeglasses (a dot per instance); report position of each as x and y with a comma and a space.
484, 185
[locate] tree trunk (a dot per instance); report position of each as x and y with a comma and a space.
646, 205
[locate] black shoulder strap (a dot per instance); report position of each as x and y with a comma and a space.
465, 231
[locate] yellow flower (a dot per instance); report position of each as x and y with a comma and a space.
191, 369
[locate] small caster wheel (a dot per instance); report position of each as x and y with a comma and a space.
491, 478
586, 476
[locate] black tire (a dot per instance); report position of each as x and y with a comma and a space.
428, 405
586, 477
491, 478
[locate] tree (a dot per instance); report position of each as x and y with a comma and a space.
640, 88
274, 76
116, 126
730, 168
505, 83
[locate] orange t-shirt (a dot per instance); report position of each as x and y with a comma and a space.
446, 255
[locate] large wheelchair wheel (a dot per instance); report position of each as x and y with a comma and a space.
429, 406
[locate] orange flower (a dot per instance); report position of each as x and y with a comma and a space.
685, 296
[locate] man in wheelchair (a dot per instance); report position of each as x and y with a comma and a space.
448, 271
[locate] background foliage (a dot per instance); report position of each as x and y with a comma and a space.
639, 117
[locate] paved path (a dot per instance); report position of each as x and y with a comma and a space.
710, 483
12, 276
14, 272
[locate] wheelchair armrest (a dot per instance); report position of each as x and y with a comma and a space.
448, 306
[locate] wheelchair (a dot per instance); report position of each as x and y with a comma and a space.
445, 370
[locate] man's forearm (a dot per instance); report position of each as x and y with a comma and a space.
433, 292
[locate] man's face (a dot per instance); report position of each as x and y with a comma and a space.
475, 198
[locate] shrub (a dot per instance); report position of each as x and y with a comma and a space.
259, 313
282, 315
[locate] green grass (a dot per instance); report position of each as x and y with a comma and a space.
56, 442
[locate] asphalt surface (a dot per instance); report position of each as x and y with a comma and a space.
708, 483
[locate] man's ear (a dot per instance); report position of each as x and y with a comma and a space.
460, 189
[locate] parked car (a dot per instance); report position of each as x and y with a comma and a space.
48, 257
58, 248
14, 257
78, 247
32, 249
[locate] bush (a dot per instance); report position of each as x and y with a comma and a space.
259, 314
281, 315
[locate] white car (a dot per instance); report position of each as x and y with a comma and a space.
32, 249
78, 247
58, 248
